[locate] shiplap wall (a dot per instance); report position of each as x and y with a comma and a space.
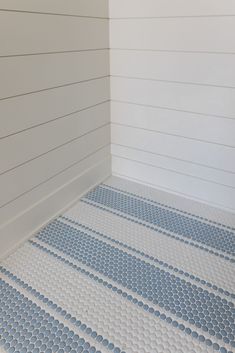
173, 95
54, 109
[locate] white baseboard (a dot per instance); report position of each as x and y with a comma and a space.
173, 192
27, 223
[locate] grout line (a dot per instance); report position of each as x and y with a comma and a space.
54, 14
170, 134
178, 159
170, 82
53, 52
54, 87
55, 175
173, 171
55, 119
55, 148
172, 109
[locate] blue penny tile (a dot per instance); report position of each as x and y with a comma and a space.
33, 338
160, 286
191, 308
193, 229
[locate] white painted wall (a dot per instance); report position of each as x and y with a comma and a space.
173, 96
54, 109
172, 109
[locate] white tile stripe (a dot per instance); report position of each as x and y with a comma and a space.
179, 226
162, 231
119, 317
191, 260
112, 242
106, 310
138, 297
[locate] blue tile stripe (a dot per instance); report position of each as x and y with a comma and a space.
150, 310
204, 233
181, 298
27, 328
169, 207
210, 251
152, 258
73, 320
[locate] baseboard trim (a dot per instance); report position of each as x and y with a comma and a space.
173, 192
21, 228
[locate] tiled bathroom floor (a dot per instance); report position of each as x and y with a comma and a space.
127, 269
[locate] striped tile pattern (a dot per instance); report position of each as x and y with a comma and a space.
123, 272
168, 220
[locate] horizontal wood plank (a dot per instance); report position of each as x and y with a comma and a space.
24, 112
210, 155
188, 125
34, 142
177, 165
159, 8
74, 8
197, 68
24, 178
218, 101
27, 35
214, 34
25, 74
